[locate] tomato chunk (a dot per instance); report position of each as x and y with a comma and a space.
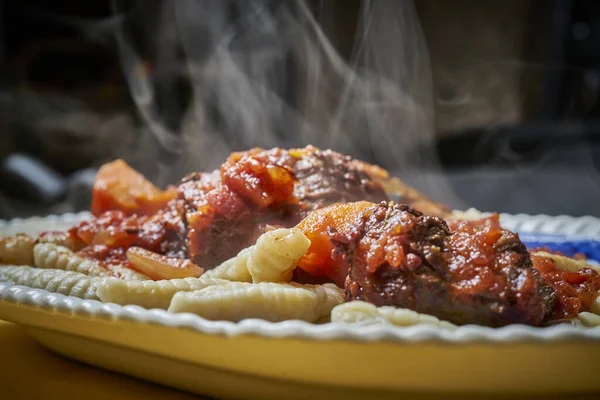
118, 187
262, 182
320, 260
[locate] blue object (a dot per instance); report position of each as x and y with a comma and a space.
568, 246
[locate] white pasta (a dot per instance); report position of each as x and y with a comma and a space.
360, 312
68, 283
150, 294
472, 214
271, 259
17, 250
276, 254
566, 263
234, 269
51, 256
588, 319
270, 301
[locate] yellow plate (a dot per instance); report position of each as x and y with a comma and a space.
258, 359
219, 359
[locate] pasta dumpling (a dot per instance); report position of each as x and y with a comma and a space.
234, 269
272, 259
69, 283
270, 301
52, 256
276, 254
150, 294
360, 312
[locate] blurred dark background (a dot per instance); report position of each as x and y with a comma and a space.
516, 87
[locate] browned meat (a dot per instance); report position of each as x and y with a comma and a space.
480, 275
227, 210
210, 217
327, 177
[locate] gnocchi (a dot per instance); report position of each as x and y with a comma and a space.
266, 300
69, 283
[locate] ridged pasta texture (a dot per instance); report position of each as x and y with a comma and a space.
16, 250
276, 254
68, 283
150, 294
235, 269
52, 256
272, 259
270, 301
360, 312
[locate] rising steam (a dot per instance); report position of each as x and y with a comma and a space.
231, 75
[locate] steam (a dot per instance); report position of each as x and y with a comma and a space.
263, 73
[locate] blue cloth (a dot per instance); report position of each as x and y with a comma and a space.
568, 246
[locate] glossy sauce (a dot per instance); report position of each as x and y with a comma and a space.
576, 290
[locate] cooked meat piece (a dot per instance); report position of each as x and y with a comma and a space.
327, 177
215, 215
226, 211
476, 275
550, 297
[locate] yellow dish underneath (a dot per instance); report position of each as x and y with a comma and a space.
296, 368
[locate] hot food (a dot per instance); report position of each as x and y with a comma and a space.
282, 225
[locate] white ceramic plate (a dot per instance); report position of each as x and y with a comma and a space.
294, 359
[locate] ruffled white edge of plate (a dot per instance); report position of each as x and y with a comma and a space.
588, 227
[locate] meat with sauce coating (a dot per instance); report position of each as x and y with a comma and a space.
210, 217
260, 189
476, 275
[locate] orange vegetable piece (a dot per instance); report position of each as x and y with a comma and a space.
158, 267
120, 187
320, 259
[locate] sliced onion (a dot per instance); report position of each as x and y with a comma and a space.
157, 266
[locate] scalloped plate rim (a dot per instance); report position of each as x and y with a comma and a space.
468, 334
